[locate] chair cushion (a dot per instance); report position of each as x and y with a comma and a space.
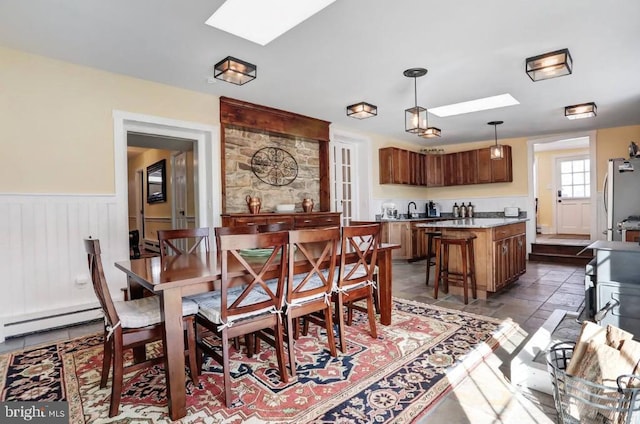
313, 283
138, 313
209, 306
360, 272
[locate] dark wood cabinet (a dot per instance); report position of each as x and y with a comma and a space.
450, 169
467, 167
295, 219
495, 171
394, 166
434, 170
399, 166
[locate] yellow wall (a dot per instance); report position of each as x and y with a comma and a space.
56, 124
614, 143
545, 162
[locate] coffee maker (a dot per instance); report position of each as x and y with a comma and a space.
433, 209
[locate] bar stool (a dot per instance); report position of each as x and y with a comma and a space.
430, 236
467, 261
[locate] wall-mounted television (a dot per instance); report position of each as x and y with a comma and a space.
157, 182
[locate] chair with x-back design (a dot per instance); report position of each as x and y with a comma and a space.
193, 238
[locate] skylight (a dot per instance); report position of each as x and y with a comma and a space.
486, 103
263, 21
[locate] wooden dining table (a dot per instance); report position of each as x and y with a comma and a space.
184, 275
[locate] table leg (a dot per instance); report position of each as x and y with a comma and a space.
136, 291
171, 308
384, 286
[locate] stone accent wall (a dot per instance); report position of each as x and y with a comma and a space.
240, 146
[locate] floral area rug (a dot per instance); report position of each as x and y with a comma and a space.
397, 377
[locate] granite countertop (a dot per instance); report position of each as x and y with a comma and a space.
472, 223
615, 246
431, 218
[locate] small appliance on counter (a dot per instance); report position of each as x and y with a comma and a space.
433, 209
389, 211
511, 212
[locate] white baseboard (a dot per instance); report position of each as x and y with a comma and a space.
30, 324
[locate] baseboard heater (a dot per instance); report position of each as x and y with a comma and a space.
33, 324
152, 245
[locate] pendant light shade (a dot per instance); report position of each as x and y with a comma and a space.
362, 110
497, 152
549, 65
235, 71
416, 120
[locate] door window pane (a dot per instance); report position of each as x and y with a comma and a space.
574, 178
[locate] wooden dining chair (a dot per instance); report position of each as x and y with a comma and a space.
376, 297
225, 231
237, 310
131, 324
356, 279
193, 238
309, 292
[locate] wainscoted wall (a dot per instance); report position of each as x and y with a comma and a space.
46, 280
241, 145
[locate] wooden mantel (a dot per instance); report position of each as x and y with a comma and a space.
241, 114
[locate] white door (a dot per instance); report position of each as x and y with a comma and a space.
573, 201
139, 196
180, 190
345, 191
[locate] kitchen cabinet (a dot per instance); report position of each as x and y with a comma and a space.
398, 233
467, 167
495, 171
295, 219
433, 170
499, 255
394, 166
399, 166
631, 235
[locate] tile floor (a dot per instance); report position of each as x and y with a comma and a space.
486, 396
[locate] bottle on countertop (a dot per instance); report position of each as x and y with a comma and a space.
456, 210
470, 210
463, 210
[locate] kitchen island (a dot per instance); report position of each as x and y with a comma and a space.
406, 233
500, 250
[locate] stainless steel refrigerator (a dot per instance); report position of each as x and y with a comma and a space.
622, 195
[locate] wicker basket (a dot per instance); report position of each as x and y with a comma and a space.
580, 401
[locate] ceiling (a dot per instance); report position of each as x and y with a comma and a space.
356, 50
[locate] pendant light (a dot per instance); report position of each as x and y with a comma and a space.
497, 152
416, 120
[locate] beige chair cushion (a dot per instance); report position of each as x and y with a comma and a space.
143, 312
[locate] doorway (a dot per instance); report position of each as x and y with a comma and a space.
555, 210
351, 175
177, 209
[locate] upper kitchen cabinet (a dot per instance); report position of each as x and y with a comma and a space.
394, 166
467, 167
433, 170
450, 170
495, 171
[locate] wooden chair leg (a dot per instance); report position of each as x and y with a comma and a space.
116, 383
465, 276
106, 361
445, 269
328, 321
371, 314
340, 316
226, 376
291, 344
472, 265
279, 339
438, 276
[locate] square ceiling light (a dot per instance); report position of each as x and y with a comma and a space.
362, 110
584, 110
476, 105
263, 21
549, 65
234, 70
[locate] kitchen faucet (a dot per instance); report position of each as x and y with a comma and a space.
409, 208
